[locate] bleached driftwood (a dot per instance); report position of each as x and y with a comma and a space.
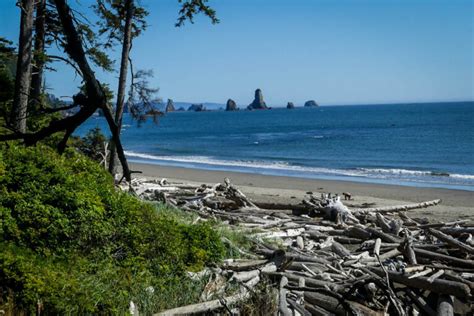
335, 209
243, 265
283, 305
398, 208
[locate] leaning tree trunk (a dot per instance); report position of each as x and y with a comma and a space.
37, 75
23, 70
127, 44
95, 94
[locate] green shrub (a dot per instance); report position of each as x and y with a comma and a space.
70, 240
92, 145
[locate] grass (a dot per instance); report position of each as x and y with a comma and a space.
262, 300
239, 238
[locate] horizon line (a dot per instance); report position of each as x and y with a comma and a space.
334, 104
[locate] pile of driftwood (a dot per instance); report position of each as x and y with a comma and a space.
332, 259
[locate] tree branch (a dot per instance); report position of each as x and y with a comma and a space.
67, 61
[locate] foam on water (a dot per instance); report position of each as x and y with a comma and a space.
401, 172
284, 168
280, 165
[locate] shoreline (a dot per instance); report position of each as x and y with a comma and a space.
456, 204
139, 158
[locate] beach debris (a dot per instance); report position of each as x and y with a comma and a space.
330, 259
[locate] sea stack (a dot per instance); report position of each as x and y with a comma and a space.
310, 103
231, 105
258, 103
170, 106
196, 108
290, 105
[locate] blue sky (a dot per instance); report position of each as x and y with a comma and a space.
333, 51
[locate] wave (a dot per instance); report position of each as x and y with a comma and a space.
251, 164
402, 172
462, 176
287, 168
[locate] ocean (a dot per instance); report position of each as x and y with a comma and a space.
424, 145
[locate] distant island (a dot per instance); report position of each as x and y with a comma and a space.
257, 103
231, 105
310, 103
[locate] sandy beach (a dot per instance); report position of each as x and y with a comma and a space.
456, 204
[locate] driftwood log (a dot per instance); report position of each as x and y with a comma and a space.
399, 208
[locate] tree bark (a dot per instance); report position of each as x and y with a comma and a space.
23, 70
126, 46
74, 48
118, 144
445, 305
37, 75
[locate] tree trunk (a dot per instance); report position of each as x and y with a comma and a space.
127, 44
118, 145
37, 75
23, 70
95, 94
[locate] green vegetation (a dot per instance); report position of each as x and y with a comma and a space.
71, 243
92, 144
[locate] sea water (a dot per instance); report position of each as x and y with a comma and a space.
429, 144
